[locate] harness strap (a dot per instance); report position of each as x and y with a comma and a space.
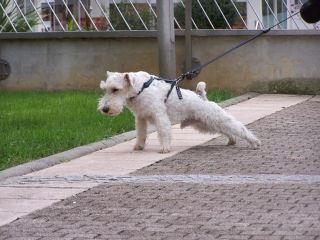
173, 84
146, 85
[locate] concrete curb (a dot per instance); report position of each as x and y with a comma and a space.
77, 152
235, 100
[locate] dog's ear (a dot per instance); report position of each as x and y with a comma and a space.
129, 79
102, 84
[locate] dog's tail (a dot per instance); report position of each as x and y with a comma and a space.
201, 90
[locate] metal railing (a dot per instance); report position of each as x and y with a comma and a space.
113, 15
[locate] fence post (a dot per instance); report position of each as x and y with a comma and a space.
166, 38
188, 42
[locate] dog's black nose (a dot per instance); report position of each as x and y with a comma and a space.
105, 109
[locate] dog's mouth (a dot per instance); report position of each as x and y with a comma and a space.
110, 113
113, 114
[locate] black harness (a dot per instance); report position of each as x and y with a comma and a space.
173, 84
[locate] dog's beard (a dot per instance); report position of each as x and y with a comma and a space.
115, 107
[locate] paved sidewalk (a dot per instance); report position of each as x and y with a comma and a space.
207, 192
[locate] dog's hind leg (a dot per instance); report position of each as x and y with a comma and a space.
237, 129
231, 141
197, 125
201, 91
141, 127
216, 119
203, 128
252, 139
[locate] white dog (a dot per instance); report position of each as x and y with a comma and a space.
149, 106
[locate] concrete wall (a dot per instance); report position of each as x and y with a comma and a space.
277, 62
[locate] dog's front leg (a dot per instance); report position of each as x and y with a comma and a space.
141, 127
163, 126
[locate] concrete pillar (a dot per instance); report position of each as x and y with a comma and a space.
188, 42
166, 38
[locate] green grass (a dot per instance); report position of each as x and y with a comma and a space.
219, 95
39, 124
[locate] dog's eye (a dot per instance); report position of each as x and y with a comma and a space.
114, 90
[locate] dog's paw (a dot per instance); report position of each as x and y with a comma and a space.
231, 142
138, 147
164, 150
256, 145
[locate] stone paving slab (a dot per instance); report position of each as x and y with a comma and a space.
271, 193
19, 201
34, 193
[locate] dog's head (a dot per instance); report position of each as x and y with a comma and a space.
118, 88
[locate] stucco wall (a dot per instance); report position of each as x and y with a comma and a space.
54, 61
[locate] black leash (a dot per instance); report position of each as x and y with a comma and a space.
192, 73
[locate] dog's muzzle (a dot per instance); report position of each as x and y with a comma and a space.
110, 112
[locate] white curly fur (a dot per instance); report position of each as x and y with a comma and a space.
149, 107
